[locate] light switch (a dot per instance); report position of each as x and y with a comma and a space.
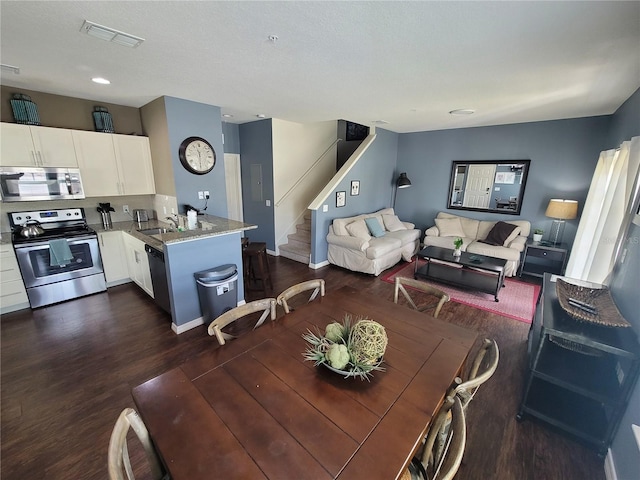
268, 203
325, 208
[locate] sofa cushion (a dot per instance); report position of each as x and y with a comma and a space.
374, 226
469, 225
496, 251
358, 229
449, 227
382, 245
405, 236
392, 223
500, 233
446, 242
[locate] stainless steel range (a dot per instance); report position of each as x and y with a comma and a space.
58, 255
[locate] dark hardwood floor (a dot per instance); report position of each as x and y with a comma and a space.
68, 370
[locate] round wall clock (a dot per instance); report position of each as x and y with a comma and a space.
197, 155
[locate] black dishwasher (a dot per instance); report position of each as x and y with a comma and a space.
158, 278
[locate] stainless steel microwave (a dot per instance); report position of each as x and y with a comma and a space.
20, 184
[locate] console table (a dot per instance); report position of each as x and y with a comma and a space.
580, 374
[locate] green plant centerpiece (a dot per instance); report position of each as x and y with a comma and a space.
538, 231
353, 349
457, 243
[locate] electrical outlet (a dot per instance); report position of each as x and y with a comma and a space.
125, 208
200, 195
164, 210
206, 194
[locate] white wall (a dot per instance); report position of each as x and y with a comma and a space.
296, 147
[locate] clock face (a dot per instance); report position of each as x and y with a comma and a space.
197, 155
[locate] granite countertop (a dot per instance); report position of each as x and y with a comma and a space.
208, 226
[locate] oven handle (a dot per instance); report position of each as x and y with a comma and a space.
71, 240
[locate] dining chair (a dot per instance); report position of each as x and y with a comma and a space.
118, 459
443, 450
266, 305
422, 287
483, 367
317, 285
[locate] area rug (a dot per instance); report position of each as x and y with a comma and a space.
517, 299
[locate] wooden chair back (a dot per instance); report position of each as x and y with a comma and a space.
267, 305
483, 367
422, 287
317, 285
119, 463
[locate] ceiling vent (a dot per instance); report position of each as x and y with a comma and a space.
10, 68
110, 35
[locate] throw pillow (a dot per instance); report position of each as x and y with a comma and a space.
449, 227
359, 229
392, 223
499, 233
374, 226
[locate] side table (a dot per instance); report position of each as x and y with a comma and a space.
539, 258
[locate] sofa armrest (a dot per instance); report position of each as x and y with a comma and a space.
347, 241
432, 231
409, 225
518, 243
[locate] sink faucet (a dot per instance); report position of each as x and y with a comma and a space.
174, 220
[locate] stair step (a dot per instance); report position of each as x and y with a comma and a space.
304, 227
302, 239
302, 255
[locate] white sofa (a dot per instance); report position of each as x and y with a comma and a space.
471, 231
352, 246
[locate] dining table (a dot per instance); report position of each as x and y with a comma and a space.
254, 408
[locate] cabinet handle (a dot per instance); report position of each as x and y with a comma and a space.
40, 159
35, 159
101, 240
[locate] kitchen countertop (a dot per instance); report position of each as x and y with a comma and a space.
209, 226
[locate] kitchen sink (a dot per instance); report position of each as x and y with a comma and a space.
156, 231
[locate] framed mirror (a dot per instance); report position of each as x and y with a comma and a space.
488, 185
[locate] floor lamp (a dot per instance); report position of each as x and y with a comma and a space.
560, 210
402, 182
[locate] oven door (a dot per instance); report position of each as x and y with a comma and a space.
35, 261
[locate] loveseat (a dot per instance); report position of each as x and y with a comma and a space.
371, 248
505, 243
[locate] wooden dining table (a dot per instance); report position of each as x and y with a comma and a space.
255, 409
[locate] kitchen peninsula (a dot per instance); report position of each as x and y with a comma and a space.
216, 241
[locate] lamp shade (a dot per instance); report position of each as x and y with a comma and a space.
403, 181
562, 209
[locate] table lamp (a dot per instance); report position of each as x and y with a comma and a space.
560, 210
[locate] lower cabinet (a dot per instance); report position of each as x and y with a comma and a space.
138, 263
114, 262
13, 295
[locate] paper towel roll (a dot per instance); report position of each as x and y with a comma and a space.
192, 220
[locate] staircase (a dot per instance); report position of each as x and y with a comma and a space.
298, 246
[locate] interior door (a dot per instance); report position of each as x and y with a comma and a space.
233, 180
479, 183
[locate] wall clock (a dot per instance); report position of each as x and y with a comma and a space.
197, 155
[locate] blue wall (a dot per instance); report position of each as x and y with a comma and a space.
191, 119
376, 172
563, 157
256, 148
624, 287
231, 133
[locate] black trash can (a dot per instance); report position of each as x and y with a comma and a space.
217, 290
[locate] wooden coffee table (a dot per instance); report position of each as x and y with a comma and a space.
469, 270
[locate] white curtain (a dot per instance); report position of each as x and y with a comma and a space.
610, 192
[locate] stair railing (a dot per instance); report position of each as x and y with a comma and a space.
304, 175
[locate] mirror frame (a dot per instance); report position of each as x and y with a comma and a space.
506, 211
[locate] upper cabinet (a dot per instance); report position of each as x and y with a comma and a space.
114, 165
31, 146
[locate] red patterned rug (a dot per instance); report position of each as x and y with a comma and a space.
517, 299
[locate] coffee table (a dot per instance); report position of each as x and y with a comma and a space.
478, 272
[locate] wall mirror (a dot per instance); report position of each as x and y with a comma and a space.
488, 185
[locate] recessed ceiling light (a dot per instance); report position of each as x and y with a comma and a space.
462, 111
380, 122
109, 34
100, 80
227, 115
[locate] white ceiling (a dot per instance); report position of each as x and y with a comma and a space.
407, 63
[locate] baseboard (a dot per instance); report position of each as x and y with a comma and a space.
316, 266
196, 322
609, 467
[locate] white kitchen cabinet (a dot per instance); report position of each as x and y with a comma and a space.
133, 156
138, 263
32, 146
13, 295
114, 257
113, 165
